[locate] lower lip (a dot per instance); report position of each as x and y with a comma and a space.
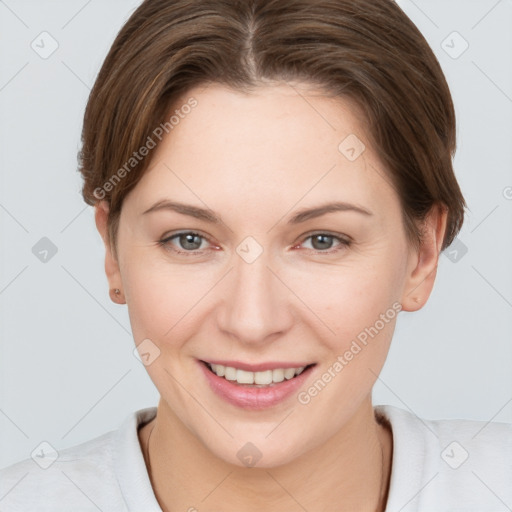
254, 398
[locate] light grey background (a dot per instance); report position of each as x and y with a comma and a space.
67, 370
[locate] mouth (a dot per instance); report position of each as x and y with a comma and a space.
264, 375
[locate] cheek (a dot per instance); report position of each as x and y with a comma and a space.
360, 305
166, 303
361, 309
342, 300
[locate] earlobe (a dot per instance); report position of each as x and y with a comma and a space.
112, 270
423, 262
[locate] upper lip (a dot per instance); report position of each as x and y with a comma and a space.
260, 367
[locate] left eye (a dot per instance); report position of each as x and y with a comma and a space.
323, 241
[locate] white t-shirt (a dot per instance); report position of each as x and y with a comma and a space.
438, 465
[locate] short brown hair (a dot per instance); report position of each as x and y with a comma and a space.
366, 51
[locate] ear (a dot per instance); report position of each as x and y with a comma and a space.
422, 268
111, 265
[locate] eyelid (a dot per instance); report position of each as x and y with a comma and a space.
170, 234
341, 236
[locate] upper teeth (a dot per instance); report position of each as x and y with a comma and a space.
265, 377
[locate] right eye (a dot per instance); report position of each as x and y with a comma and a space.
189, 242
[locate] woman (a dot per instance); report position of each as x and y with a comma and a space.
273, 184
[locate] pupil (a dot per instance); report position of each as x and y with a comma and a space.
323, 244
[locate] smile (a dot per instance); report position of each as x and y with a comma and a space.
260, 378
267, 385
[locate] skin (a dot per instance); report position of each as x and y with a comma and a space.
255, 160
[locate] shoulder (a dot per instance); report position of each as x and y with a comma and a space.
77, 477
449, 464
104, 473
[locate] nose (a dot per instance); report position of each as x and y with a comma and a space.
256, 307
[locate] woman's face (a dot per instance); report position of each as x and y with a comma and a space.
264, 285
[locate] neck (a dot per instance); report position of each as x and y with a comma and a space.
350, 471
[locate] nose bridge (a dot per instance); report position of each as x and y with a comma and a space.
255, 303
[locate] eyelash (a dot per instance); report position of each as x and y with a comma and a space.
344, 243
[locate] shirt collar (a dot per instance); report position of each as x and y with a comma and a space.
129, 464
408, 459
411, 462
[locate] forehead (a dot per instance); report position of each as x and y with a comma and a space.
295, 119
279, 144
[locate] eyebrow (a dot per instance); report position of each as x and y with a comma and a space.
301, 216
